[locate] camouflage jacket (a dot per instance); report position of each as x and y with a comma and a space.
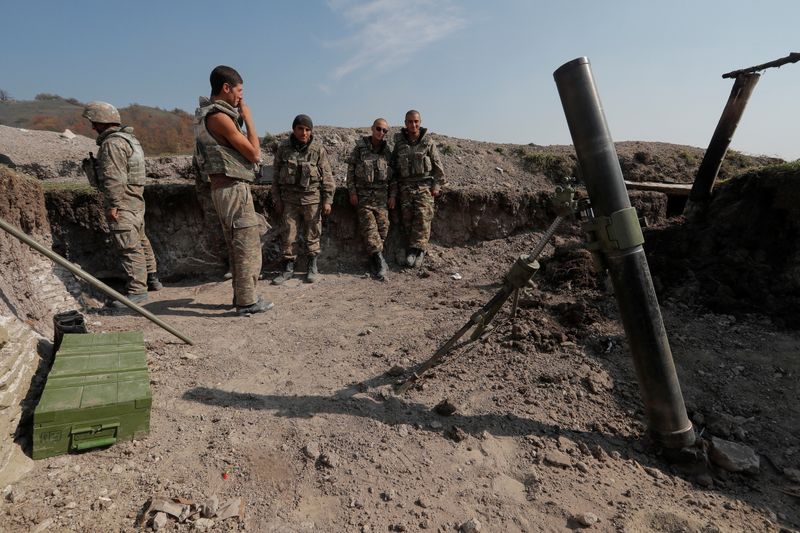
416, 162
302, 174
121, 169
368, 168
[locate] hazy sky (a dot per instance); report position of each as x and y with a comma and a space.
477, 69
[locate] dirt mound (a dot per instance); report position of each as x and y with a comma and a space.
742, 256
45, 154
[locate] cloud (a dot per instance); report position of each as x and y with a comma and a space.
385, 34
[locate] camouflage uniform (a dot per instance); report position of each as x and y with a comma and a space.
416, 168
302, 181
120, 176
230, 173
368, 175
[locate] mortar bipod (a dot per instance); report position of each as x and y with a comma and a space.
518, 277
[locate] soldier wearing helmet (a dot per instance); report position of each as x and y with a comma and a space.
119, 172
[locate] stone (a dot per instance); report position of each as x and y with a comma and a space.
329, 460
792, 473
67, 134
456, 434
159, 521
566, 445
557, 458
580, 465
117, 469
445, 408
189, 357
396, 371
705, 480
422, 502
734, 457
388, 495
654, 472
436, 425
203, 524
44, 525
473, 525
586, 519
311, 450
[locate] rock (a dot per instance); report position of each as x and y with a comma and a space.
472, 525
557, 458
329, 460
705, 480
203, 524
117, 469
719, 424
734, 457
388, 495
580, 465
445, 408
422, 502
792, 473
71, 505
67, 134
436, 424
44, 525
311, 450
159, 521
402, 430
566, 445
456, 434
210, 507
654, 472
189, 357
396, 371
586, 519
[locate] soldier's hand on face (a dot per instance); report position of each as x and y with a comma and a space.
244, 109
436, 192
326, 209
353, 199
112, 215
391, 203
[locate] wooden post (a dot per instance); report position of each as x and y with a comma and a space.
709, 168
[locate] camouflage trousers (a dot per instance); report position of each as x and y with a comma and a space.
242, 228
373, 219
416, 213
214, 237
135, 250
296, 219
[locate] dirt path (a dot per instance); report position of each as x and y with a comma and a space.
295, 405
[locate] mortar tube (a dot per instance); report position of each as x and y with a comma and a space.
661, 394
91, 280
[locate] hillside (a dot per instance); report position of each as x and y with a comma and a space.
160, 131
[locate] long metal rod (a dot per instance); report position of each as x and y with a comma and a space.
485, 315
630, 275
707, 173
793, 57
91, 280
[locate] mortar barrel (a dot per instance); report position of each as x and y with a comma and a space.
641, 316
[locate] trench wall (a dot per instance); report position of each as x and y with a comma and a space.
186, 238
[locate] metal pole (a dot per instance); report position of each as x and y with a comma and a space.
720, 141
641, 317
91, 280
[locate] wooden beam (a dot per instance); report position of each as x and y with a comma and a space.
673, 189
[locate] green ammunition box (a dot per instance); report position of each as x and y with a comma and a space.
97, 393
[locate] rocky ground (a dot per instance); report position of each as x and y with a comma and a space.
537, 427
293, 411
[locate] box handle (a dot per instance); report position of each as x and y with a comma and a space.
94, 437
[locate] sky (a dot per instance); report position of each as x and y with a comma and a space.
475, 69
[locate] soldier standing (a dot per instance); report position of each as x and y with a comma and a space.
302, 190
368, 175
227, 156
418, 177
119, 172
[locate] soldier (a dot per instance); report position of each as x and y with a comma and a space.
368, 175
227, 156
302, 190
418, 176
119, 173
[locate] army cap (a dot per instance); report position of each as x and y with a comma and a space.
101, 112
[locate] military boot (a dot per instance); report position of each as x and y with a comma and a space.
311, 275
260, 306
380, 266
135, 298
152, 282
288, 272
411, 256
419, 258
